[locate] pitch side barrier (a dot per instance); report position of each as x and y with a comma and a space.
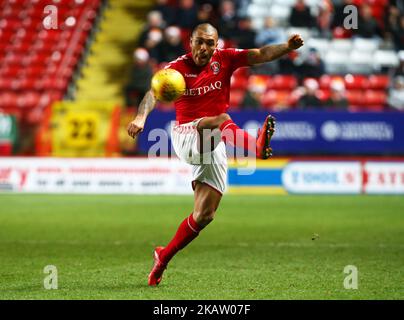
162, 175
305, 132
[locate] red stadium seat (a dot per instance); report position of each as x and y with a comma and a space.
268, 100
323, 94
375, 97
356, 82
325, 80
31, 69
5, 84
379, 82
355, 97
341, 33
9, 99
236, 98
281, 82
28, 99
281, 99
258, 82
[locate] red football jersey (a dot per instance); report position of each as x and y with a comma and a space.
208, 87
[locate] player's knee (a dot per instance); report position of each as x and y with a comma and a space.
222, 118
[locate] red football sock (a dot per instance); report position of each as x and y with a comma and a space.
187, 231
237, 137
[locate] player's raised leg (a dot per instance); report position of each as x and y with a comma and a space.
207, 201
235, 136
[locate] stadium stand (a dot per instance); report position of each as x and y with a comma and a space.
38, 64
355, 59
93, 45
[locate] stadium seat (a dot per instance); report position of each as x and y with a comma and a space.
336, 62
278, 99
355, 82
375, 97
355, 97
28, 99
325, 80
257, 10
288, 3
258, 83
341, 33
323, 94
279, 12
385, 58
236, 98
363, 44
312, 3
379, 82
282, 82
360, 62
31, 56
341, 45
320, 44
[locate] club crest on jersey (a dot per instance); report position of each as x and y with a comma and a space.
215, 66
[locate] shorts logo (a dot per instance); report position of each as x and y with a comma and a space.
215, 66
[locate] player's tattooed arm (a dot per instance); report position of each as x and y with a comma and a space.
146, 106
273, 52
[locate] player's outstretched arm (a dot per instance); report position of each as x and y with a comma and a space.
272, 52
146, 106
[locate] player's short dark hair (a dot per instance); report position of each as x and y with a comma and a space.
205, 27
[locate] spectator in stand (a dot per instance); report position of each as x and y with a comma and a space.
171, 47
324, 19
187, 14
154, 21
392, 28
139, 78
399, 71
228, 21
242, 7
168, 12
153, 40
254, 93
400, 41
301, 16
245, 37
396, 94
206, 14
367, 24
270, 33
312, 65
287, 63
309, 100
337, 99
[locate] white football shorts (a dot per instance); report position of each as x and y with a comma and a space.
208, 167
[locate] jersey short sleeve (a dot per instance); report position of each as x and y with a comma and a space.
238, 57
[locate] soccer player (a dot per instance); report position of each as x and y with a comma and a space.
207, 71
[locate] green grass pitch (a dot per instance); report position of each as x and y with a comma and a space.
258, 247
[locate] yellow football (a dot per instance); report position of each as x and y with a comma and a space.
168, 85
